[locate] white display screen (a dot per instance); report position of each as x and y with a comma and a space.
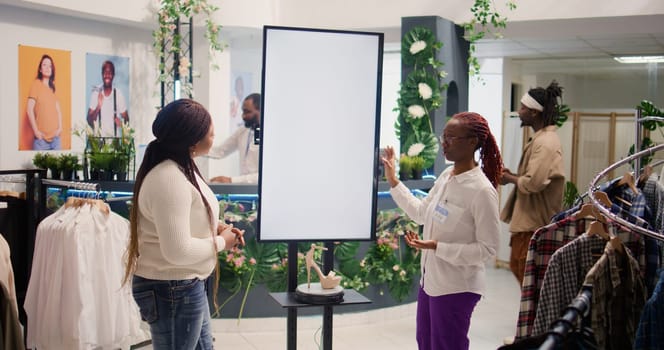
320, 132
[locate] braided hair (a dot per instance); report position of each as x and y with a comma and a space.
548, 98
491, 161
178, 127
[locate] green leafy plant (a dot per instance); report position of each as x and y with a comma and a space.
417, 163
562, 110
421, 93
570, 195
648, 109
168, 39
69, 162
405, 166
39, 160
486, 19
389, 264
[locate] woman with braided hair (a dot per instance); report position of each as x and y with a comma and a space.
460, 234
175, 230
540, 179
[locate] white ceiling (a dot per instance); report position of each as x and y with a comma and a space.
579, 46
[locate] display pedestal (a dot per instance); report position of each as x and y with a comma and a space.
288, 299
316, 294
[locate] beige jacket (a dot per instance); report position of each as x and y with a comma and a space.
538, 194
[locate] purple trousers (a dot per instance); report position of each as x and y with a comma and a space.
443, 321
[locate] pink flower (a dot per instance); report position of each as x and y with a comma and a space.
395, 267
252, 261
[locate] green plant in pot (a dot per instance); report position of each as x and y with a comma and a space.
53, 164
101, 165
69, 165
120, 165
39, 160
418, 154
405, 167
417, 163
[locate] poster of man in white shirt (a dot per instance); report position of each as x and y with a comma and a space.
107, 107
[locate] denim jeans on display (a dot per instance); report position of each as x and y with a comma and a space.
177, 312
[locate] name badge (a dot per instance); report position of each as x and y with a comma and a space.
441, 210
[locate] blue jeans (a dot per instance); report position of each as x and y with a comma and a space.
177, 312
43, 145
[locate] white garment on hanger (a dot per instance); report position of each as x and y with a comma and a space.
7, 272
75, 299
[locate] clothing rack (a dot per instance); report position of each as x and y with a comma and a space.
580, 306
605, 211
88, 186
23, 250
64, 184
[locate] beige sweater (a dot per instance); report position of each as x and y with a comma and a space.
175, 236
538, 194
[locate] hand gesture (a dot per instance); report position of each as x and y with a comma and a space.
413, 240
232, 235
390, 169
507, 177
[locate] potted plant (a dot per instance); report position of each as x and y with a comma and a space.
39, 160
69, 165
119, 166
417, 164
53, 163
101, 163
405, 167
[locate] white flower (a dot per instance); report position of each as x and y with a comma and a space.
415, 149
417, 47
416, 111
442, 74
424, 90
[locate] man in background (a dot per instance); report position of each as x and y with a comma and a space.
107, 110
242, 141
540, 179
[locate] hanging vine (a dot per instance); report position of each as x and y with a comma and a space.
486, 20
169, 42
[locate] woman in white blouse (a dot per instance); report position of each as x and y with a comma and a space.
175, 231
460, 233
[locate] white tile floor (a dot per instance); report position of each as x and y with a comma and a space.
386, 329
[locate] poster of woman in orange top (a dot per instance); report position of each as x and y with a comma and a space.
44, 84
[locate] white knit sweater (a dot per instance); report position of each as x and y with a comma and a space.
175, 237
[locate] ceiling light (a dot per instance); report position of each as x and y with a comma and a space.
639, 59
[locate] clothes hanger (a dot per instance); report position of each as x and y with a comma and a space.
76, 202
645, 175
597, 228
603, 198
628, 179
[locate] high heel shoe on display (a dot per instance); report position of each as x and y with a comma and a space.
327, 291
327, 282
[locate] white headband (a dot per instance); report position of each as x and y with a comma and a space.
531, 103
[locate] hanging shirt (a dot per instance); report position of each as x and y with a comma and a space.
617, 299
